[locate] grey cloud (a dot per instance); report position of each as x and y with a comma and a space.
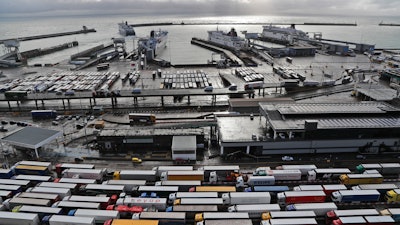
197, 7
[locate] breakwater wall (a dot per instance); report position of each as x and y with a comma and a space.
28, 38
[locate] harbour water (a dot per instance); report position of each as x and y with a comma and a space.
179, 50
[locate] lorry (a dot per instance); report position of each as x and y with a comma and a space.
131, 222
128, 184
349, 220
287, 214
31, 170
320, 209
160, 169
158, 203
191, 210
76, 181
270, 189
73, 187
42, 211
246, 198
70, 205
255, 181
326, 174
382, 188
393, 196
100, 216
66, 220
218, 189
147, 175
291, 221
220, 173
182, 175
350, 196
354, 179
308, 188
100, 189
62, 192
161, 191
226, 221
199, 201
336, 214
285, 174
52, 197
6, 173
393, 212
379, 220
97, 174
13, 202
43, 114
184, 185
382, 168
177, 195
220, 216
13, 188
63, 166
329, 188
33, 178
11, 218
303, 168
164, 218
103, 200
290, 197
255, 210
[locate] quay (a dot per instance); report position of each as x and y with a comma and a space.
28, 38
214, 48
39, 51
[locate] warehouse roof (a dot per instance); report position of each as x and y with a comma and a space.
32, 137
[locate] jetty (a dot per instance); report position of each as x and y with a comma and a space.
84, 30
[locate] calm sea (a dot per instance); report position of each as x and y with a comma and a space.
179, 50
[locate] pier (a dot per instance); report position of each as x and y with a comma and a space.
28, 38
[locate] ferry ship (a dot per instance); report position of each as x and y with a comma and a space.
159, 39
125, 29
230, 39
282, 35
154, 44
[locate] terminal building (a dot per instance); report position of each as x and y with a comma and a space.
284, 128
171, 143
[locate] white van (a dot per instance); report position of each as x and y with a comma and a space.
136, 91
232, 87
209, 88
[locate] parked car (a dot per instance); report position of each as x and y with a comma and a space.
287, 158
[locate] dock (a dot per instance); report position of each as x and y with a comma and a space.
28, 38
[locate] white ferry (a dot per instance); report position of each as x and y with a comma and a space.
229, 39
125, 29
284, 35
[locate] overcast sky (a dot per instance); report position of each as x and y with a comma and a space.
199, 7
